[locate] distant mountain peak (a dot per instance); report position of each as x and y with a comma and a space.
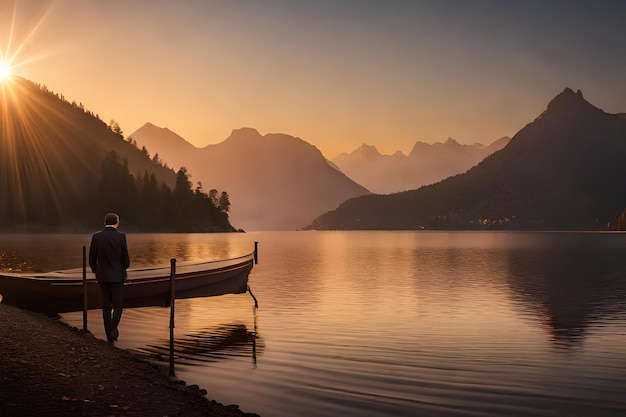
152, 126
245, 131
368, 150
165, 135
452, 142
565, 97
568, 102
248, 135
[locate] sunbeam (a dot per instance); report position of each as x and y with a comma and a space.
32, 166
12, 54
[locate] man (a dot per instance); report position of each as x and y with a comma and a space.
108, 259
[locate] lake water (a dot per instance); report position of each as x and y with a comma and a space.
388, 323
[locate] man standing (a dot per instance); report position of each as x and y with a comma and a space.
108, 259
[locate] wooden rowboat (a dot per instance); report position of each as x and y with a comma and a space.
62, 291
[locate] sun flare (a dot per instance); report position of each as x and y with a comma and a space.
14, 43
5, 71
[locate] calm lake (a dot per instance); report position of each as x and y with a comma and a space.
387, 323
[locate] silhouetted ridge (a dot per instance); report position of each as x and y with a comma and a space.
566, 96
564, 171
567, 102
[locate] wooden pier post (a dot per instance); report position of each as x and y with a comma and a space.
172, 298
256, 261
85, 288
256, 252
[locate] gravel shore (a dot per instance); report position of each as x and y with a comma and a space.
49, 369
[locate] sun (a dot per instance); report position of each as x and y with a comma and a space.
5, 71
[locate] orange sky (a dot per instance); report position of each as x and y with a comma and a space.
336, 74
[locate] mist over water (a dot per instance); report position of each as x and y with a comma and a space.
395, 323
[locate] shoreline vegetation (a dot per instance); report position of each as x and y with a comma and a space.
50, 368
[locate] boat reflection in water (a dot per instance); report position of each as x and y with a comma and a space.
208, 345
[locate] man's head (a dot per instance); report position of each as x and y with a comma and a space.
111, 219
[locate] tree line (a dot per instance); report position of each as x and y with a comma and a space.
145, 205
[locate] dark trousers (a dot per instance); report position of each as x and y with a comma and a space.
112, 297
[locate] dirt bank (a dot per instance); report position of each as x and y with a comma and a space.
48, 369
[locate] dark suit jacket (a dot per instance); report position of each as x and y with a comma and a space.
108, 255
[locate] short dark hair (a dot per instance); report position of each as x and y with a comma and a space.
110, 219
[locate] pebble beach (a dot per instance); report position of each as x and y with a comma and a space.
50, 369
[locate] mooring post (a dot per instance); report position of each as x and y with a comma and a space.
256, 261
256, 252
254, 341
172, 298
84, 288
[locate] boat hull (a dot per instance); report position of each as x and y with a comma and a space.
62, 291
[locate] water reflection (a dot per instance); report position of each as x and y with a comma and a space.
208, 345
568, 289
201, 337
157, 249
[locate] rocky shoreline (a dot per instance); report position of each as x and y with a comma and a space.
48, 368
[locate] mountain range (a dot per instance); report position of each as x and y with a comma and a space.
566, 170
274, 181
257, 170
425, 164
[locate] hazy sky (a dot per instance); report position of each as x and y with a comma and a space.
336, 73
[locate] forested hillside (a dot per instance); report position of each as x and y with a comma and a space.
62, 168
